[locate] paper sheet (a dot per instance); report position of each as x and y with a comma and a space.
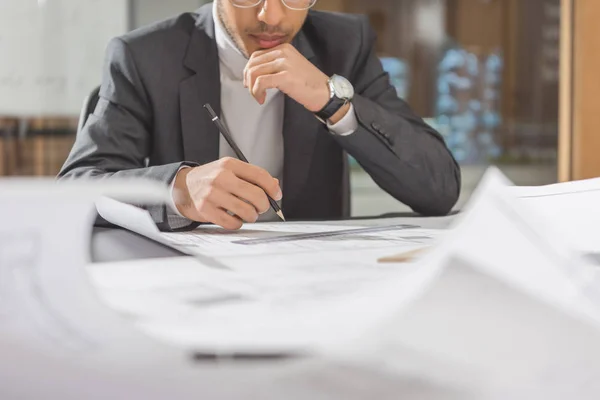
473, 330
274, 296
504, 313
215, 243
46, 299
264, 303
572, 207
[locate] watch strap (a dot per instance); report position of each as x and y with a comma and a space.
333, 106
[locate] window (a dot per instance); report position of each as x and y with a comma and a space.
484, 73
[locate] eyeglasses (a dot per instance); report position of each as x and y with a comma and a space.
297, 5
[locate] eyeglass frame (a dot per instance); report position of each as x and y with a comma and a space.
258, 2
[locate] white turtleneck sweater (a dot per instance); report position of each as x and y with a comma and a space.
256, 129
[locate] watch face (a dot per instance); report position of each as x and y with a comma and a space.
342, 87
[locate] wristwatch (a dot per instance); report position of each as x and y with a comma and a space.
341, 92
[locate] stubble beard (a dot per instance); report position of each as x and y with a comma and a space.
236, 39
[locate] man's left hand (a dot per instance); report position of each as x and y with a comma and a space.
284, 68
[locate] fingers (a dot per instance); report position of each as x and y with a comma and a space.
229, 222
253, 175
213, 214
217, 206
228, 192
285, 69
281, 51
268, 68
252, 194
266, 58
227, 201
263, 56
265, 82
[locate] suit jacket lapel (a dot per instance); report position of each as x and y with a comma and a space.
300, 134
200, 135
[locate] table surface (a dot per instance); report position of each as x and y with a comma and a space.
303, 378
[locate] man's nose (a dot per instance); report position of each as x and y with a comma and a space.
272, 12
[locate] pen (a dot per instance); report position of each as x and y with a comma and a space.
225, 132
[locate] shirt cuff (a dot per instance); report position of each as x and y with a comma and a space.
171, 207
345, 126
174, 217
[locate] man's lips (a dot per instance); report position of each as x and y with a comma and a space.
267, 41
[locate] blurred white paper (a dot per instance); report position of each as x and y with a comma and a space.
274, 296
573, 207
46, 299
504, 312
266, 297
263, 305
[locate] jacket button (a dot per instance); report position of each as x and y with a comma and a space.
376, 126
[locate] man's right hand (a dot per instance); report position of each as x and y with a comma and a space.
207, 193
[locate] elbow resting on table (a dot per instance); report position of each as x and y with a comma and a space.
442, 195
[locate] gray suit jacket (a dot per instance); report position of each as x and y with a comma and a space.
150, 121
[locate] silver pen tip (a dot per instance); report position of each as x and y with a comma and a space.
280, 215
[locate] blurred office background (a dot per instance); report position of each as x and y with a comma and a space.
485, 73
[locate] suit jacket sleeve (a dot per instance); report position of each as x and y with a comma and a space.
404, 156
115, 141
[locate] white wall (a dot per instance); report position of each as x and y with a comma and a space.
51, 53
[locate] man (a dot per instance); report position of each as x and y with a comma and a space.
297, 88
